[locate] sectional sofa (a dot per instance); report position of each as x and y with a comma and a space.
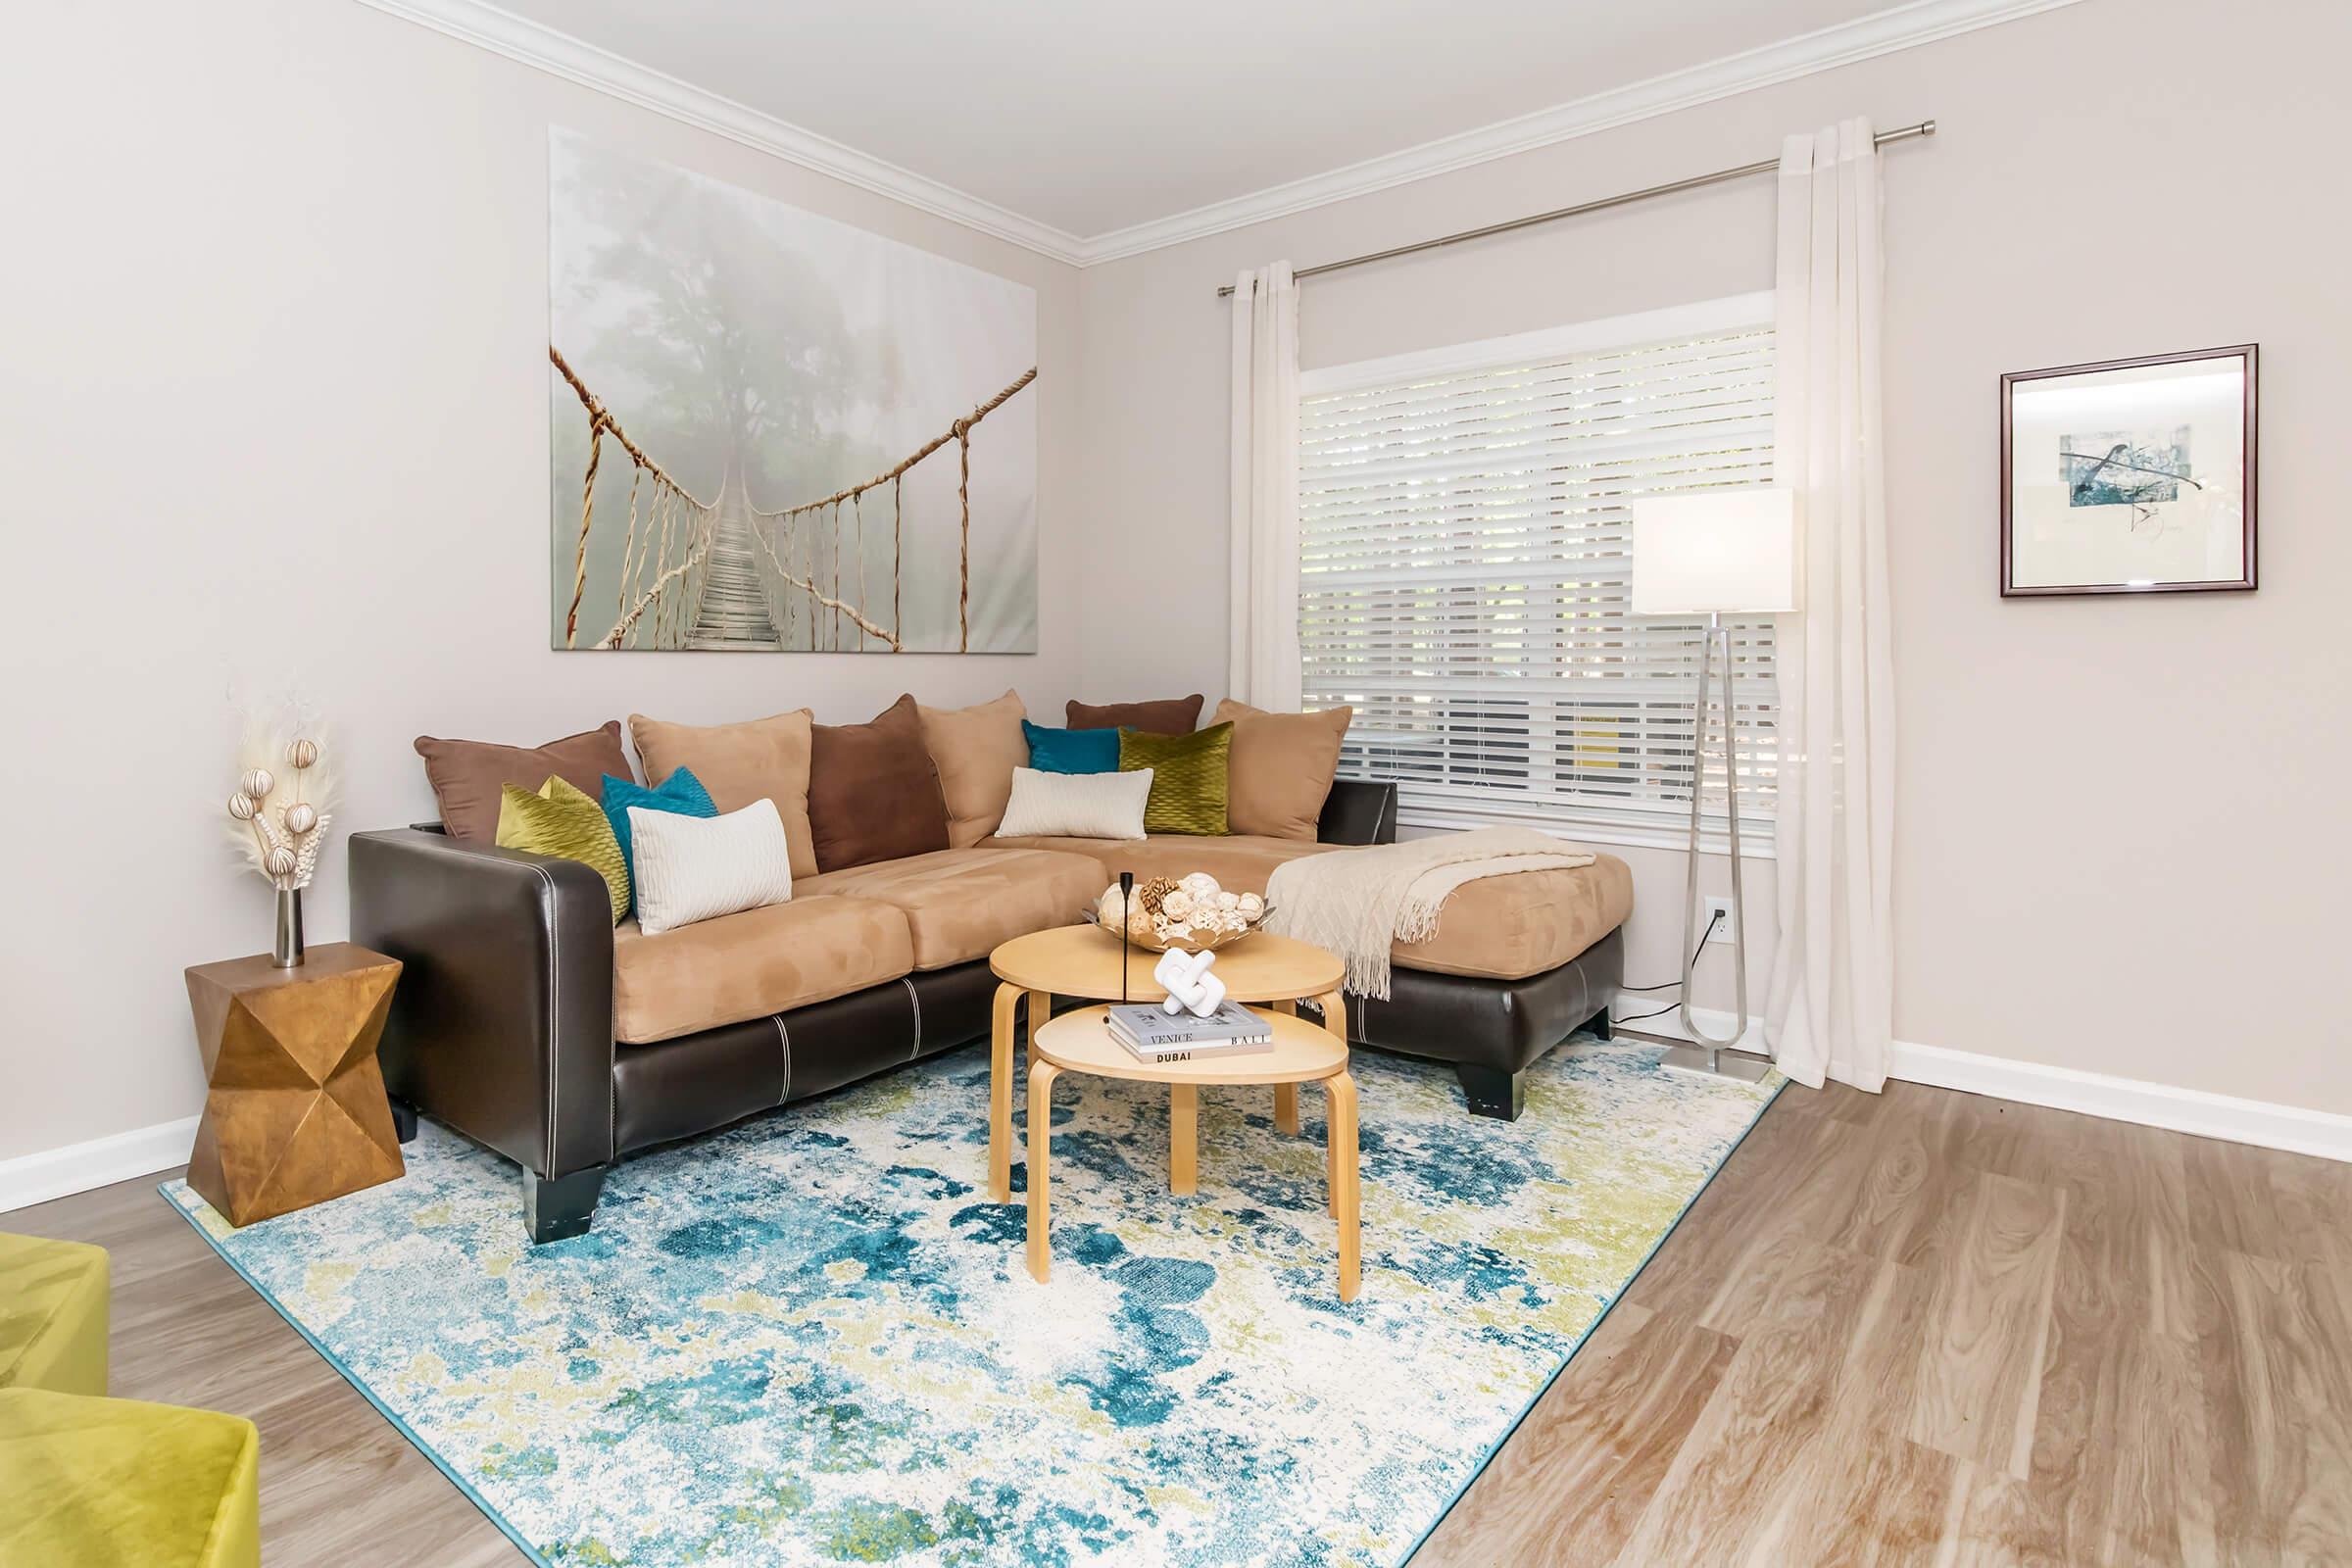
528, 1021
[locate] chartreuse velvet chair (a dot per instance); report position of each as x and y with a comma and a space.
89, 1482
51, 1316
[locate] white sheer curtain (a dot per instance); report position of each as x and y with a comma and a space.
1830, 1011
1263, 667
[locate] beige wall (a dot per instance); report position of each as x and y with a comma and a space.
2120, 844
273, 407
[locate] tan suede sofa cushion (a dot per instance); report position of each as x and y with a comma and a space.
762, 759
1495, 928
1282, 767
751, 965
959, 904
976, 749
1509, 927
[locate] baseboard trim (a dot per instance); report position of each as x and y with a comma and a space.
2262, 1123
30, 1179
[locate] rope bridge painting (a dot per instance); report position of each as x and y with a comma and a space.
772, 431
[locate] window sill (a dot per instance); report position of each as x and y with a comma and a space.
1638, 829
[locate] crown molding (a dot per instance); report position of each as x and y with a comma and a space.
1882, 32
1904, 27
559, 54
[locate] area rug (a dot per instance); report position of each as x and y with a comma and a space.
811, 1338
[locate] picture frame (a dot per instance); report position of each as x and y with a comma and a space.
2130, 476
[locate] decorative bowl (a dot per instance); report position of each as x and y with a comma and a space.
1226, 917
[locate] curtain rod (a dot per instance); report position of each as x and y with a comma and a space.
1925, 128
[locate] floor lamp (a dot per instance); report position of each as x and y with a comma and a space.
1714, 553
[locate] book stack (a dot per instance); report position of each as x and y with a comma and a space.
1153, 1035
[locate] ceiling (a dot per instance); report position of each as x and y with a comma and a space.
1089, 118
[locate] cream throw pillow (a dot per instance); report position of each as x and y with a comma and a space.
1076, 806
693, 868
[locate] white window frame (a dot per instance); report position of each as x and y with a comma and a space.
1660, 824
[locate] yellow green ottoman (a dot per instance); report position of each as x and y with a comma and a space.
51, 1316
90, 1483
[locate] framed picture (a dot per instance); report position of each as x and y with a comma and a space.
2130, 476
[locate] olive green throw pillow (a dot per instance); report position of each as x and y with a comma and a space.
565, 821
1188, 777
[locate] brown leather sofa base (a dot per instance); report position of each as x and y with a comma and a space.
684, 1088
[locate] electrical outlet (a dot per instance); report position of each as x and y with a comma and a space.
1726, 929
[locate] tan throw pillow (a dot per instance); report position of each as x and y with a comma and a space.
1170, 715
763, 760
975, 750
1280, 768
467, 775
873, 793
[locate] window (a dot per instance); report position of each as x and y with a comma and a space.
1464, 567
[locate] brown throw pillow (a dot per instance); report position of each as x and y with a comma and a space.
1281, 768
1171, 715
467, 775
873, 793
975, 750
762, 760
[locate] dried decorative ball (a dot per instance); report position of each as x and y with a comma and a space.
257, 783
1149, 891
1200, 885
301, 754
280, 862
1112, 910
301, 817
242, 807
1251, 907
1177, 904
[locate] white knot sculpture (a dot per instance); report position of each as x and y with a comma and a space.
1186, 978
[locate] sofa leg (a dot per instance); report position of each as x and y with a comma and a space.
556, 1209
1492, 1092
1597, 1026
404, 1122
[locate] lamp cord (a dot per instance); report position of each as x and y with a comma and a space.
1713, 921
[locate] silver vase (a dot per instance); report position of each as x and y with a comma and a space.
286, 952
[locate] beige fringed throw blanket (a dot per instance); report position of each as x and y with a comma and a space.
1357, 901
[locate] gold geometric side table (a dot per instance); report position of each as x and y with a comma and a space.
294, 1112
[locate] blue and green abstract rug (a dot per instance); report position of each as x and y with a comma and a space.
811, 1338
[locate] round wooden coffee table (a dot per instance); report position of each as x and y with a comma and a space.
1084, 961
1080, 1041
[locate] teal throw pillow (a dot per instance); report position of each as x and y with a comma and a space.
1072, 750
681, 793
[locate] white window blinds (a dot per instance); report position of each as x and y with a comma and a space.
1464, 565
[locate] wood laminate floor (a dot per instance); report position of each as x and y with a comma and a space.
1921, 1327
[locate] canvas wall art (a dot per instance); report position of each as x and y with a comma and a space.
2130, 476
772, 431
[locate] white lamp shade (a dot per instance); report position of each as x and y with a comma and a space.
1723, 551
